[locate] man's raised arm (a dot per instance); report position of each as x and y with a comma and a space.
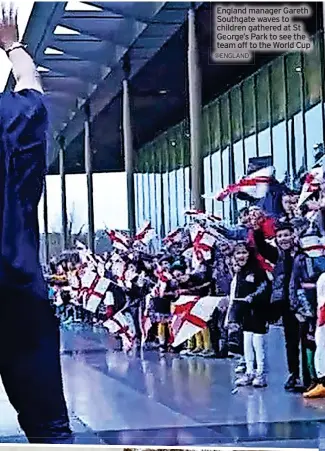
24, 69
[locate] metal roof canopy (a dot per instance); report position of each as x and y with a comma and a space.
79, 53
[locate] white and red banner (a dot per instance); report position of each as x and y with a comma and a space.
255, 184
145, 320
174, 237
119, 240
312, 184
145, 234
122, 324
320, 328
190, 316
94, 289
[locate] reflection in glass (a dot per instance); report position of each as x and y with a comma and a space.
166, 201
207, 183
264, 143
279, 150
110, 209
314, 131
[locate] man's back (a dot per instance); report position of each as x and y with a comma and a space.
23, 125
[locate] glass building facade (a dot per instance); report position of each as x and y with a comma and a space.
278, 111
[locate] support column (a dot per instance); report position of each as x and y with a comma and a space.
46, 223
89, 174
195, 102
128, 148
64, 215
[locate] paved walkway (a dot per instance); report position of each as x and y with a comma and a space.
148, 400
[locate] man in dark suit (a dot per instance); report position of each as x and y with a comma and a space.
29, 334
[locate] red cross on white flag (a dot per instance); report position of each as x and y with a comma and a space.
122, 324
94, 289
190, 316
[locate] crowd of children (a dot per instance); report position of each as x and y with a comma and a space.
266, 270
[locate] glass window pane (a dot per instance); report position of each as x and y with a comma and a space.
54, 210
236, 120
214, 125
187, 191
207, 183
249, 107
216, 181
239, 167
42, 253
278, 98
293, 64
262, 98
159, 209
166, 201
299, 140
172, 200
226, 181
109, 209
250, 149
206, 145
152, 200
180, 195
239, 160
314, 131
136, 200
312, 72
225, 131
279, 150
140, 199
146, 198
264, 143
186, 143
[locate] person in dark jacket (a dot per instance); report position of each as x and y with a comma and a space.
282, 256
30, 359
250, 291
308, 265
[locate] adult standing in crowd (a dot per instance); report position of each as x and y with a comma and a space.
29, 347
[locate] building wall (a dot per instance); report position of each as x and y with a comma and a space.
277, 111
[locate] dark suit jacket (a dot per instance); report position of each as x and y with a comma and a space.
23, 132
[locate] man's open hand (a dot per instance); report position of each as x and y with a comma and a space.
8, 27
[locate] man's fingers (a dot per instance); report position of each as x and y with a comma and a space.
3, 14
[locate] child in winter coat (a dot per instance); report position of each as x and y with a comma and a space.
250, 293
